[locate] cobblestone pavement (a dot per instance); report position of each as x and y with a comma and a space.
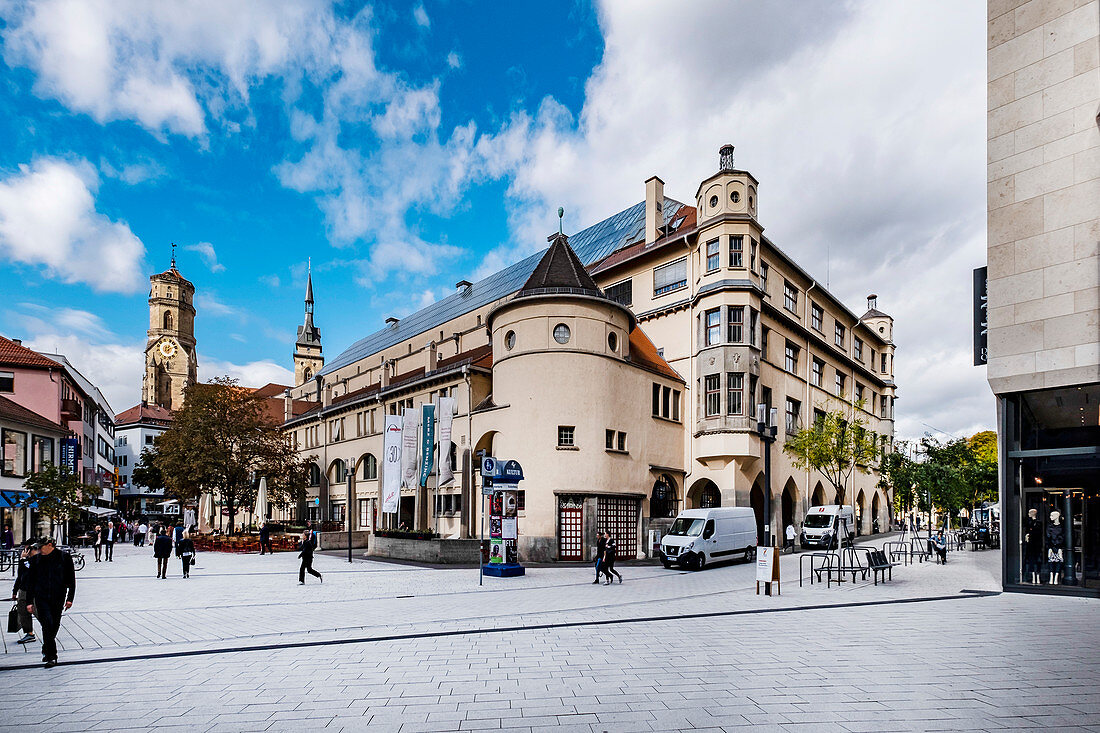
241, 646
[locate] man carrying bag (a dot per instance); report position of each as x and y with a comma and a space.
51, 587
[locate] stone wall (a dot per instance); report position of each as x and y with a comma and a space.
339, 540
428, 551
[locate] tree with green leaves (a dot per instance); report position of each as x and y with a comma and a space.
220, 441
58, 493
836, 445
897, 479
146, 473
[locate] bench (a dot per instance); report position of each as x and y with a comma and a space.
880, 565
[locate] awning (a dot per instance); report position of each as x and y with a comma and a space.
15, 498
166, 503
99, 511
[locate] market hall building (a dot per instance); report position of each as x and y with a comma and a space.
620, 367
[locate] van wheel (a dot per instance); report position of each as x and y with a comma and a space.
700, 561
667, 564
750, 554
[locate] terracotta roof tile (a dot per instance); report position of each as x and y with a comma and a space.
644, 354
144, 413
13, 354
17, 413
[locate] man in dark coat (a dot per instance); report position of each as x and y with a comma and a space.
51, 587
110, 536
162, 551
265, 539
309, 544
601, 543
19, 592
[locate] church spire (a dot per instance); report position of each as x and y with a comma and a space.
308, 359
309, 293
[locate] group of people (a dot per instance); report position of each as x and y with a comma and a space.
45, 586
165, 540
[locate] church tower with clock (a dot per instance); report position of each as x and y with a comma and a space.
170, 360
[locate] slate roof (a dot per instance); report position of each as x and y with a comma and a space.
590, 245
16, 413
559, 270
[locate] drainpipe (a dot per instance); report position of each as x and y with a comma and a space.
807, 499
468, 508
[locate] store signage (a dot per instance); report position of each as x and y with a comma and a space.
981, 320
70, 450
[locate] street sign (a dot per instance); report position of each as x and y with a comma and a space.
510, 472
488, 466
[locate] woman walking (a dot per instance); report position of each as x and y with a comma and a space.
185, 549
309, 544
97, 541
162, 551
607, 567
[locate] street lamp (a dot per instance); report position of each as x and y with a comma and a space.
766, 429
347, 512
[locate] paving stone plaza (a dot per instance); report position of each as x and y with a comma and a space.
240, 646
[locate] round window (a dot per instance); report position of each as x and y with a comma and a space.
510, 340
612, 341
561, 333
735, 197
713, 201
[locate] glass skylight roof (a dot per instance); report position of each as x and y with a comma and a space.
591, 244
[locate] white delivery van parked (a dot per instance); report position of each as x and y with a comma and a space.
702, 536
823, 523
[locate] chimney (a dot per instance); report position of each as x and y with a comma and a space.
463, 287
725, 158
17, 342
386, 368
326, 399
391, 321
288, 406
654, 209
872, 302
433, 356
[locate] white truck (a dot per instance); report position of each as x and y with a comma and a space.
702, 536
825, 524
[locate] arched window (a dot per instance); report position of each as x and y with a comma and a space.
308, 374
314, 475
663, 502
370, 467
710, 497
339, 471
167, 320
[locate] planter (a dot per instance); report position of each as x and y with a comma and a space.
435, 551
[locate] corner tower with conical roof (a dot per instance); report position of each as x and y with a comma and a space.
308, 358
171, 363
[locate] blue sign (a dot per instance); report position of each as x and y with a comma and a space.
70, 451
509, 472
427, 443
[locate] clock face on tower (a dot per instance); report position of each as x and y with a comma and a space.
167, 348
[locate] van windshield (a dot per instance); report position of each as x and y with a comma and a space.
687, 527
819, 521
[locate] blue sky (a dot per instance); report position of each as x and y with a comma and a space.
405, 146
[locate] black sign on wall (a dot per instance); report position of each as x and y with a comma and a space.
981, 321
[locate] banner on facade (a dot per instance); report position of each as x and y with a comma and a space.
410, 431
70, 453
427, 442
391, 465
981, 320
446, 415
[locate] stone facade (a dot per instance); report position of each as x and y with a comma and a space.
1044, 193
171, 363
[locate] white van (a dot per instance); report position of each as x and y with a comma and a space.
823, 523
702, 536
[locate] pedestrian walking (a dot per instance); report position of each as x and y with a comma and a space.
601, 543
139, 535
162, 551
177, 533
185, 551
109, 538
608, 565
265, 539
790, 534
97, 541
309, 544
7, 541
19, 592
51, 587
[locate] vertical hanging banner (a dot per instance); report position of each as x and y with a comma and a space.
427, 442
981, 320
391, 465
446, 415
409, 440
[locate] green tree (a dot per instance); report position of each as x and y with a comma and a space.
220, 440
146, 473
58, 493
896, 478
983, 446
837, 444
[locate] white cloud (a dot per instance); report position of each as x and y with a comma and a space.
272, 281
251, 374
207, 303
133, 173
41, 319
208, 255
420, 15
48, 219
454, 61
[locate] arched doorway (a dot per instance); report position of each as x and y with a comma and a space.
861, 504
704, 494
818, 498
756, 501
663, 500
789, 501
876, 519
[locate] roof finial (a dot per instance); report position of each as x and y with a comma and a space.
561, 213
173, 255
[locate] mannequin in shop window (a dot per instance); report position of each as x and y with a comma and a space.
1033, 546
1056, 538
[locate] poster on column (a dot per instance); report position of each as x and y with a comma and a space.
496, 551
446, 415
410, 434
391, 465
